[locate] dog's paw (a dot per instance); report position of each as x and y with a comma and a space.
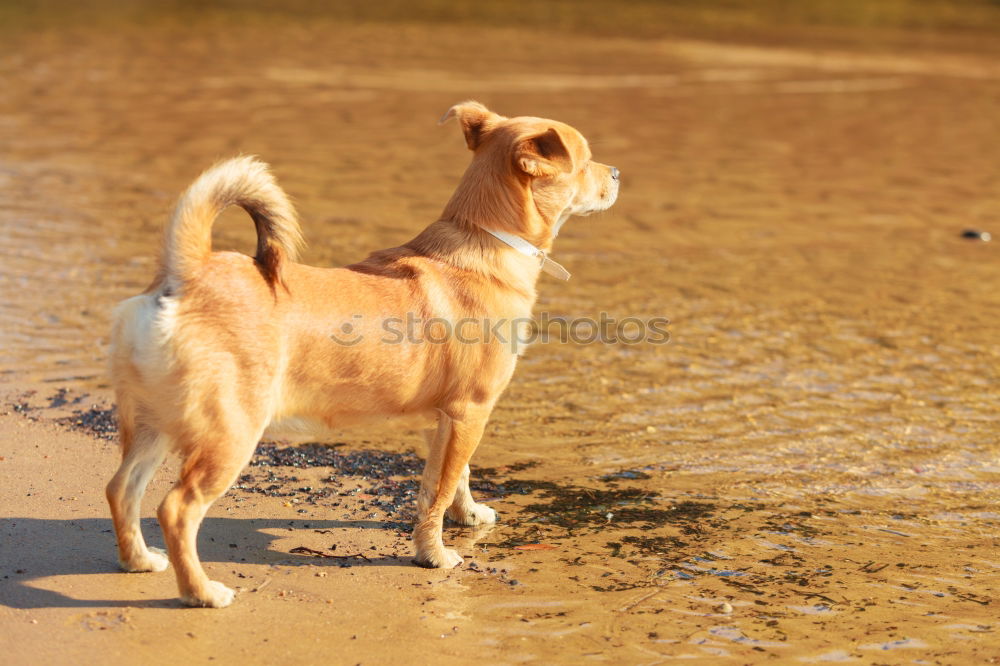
443, 558
477, 514
213, 595
155, 559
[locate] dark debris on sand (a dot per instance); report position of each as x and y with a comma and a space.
63, 397
382, 481
368, 463
97, 422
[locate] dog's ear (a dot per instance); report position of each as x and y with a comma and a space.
476, 121
544, 155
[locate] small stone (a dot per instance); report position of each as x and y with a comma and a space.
725, 608
650, 429
975, 234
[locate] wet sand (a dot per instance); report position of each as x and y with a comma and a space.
808, 471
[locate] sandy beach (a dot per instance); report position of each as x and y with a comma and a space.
808, 471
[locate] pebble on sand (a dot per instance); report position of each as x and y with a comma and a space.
975, 234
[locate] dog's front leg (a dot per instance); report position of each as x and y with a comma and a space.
447, 461
465, 510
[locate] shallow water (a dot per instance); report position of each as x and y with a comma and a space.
817, 445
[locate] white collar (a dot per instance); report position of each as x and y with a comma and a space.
529, 250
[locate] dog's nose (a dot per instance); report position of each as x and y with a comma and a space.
614, 173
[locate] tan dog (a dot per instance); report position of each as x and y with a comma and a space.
221, 345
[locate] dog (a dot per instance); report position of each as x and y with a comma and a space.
221, 345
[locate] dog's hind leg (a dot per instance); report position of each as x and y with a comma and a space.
464, 510
143, 449
206, 473
448, 459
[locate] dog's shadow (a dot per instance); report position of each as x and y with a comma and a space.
35, 548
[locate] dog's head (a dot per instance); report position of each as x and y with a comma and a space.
528, 175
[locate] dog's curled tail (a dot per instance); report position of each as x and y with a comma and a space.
240, 181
